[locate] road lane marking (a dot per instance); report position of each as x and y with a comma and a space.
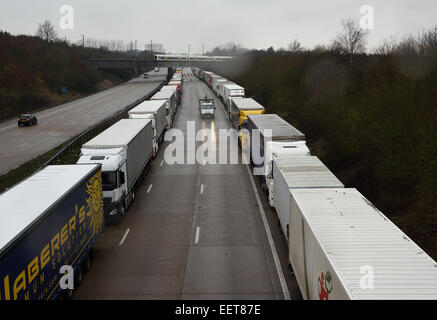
51, 132
150, 188
162, 163
124, 237
270, 238
201, 189
23, 145
196, 241
15, 135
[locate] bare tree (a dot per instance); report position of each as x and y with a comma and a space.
352, 39
387, 47
46, 31
295, 47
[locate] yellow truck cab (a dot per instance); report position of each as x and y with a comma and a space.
240, 109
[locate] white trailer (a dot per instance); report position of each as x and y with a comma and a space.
124, 150
170, 97
284, 140
342, 247
215, 84
231, 91
294, 172
221, 88
157, 112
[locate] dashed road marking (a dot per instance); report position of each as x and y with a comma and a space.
270, 239
150, 188
196, 240
201, 189
162, 163
124, 237
23, 145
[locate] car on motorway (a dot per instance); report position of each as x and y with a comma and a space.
27, 120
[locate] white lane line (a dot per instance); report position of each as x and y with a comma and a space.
23, 145
270, 238
18, 134
51, 132
196, 240
201, 189
124, 237
162, 163
150, 188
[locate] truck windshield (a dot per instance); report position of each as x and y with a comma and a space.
207, 106
109, 181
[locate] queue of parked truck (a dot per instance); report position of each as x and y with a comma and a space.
340, 245
49, 236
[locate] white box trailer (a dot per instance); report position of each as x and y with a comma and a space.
231, 91
297, 172
221, 90
174, 88
284, 139
215, 84
342, 247
124, 150
170, 97
156, 111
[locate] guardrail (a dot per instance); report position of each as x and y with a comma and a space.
91, 132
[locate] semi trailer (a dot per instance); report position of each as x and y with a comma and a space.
174, 89
296, 172
124, 150
170, 97
230, 92
271, 135
156, 111
48, 224
342, 247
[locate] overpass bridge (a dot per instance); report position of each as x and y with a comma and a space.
139, 64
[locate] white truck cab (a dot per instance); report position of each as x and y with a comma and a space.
124, 151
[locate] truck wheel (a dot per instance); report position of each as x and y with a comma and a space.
78, 277
86, 263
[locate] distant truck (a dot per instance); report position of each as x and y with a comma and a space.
239, 111
157, 112
206, 107
231, 91
215, 84
284, 140
173, 88
49, 220
124, 150
221, 89
170, 97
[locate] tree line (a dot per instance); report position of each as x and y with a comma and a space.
371, 117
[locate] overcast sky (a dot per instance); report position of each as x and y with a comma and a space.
252, 23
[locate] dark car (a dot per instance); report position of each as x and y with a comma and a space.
27, 120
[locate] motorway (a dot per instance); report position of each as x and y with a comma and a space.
193, 232
58, 124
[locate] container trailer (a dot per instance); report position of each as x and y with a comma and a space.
173, 88
343, 247
284, 139
48, 221
124, 150
297, 172
231, 91
170, 97
157, 112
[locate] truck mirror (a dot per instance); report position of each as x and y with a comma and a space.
121, 178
